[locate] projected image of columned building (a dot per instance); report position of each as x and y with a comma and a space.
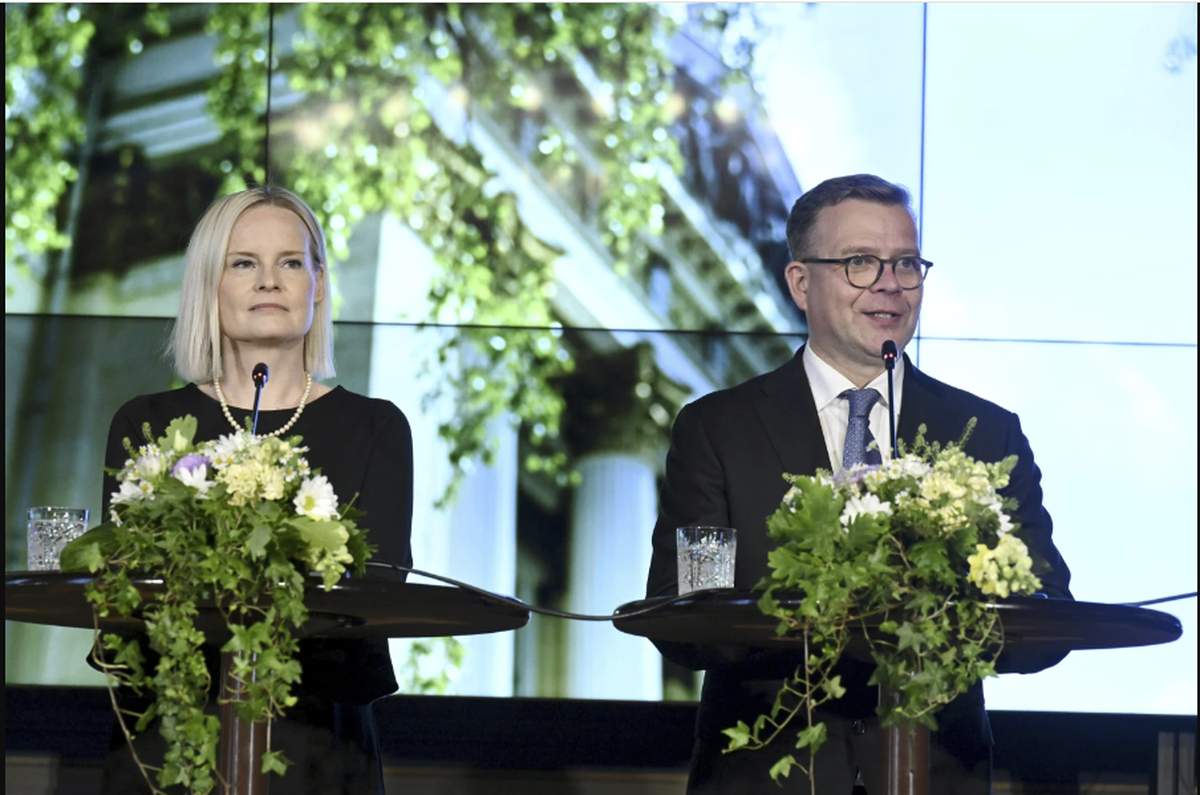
541, 250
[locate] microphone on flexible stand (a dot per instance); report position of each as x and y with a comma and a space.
890, 354
260, 376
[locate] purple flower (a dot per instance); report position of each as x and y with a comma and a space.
854, 475
190, 462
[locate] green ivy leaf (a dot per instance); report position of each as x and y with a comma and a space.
833, 687
812, 737
179, 434
320, 534
739, 736
90, 552
910, 637
257, 542
274, 762
782, 768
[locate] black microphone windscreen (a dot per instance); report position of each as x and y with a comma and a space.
889, 352
260, 373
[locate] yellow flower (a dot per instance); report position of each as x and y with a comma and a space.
938, 484
242, 481
1005, 570
272, 484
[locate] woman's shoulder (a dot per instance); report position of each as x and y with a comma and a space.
379, 411
154, 403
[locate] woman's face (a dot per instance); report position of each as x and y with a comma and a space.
270, 283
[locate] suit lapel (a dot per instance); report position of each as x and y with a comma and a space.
925, 401
787, 411
917, 405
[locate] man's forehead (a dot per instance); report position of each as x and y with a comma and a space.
859, 222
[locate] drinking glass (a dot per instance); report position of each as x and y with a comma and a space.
49, 530
706, 557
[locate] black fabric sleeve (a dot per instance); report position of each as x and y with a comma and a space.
124, 426
694, 493
1025, 485
386, 499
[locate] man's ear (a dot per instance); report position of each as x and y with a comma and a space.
797, 276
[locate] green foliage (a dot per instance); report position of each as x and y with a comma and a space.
237, 96
46, 52
430, 666
227, 528
887, 551
363, 140
44, 47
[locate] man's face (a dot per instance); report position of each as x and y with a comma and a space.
848, 325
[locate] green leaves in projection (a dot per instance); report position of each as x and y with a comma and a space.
358, 137
585, 92
43, 122
50, 53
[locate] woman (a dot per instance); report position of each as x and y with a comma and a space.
256, 289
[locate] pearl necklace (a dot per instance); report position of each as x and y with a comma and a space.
299, 409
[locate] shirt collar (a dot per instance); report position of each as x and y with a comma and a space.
827, 384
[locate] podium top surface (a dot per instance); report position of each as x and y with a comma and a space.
353, 608
730, 617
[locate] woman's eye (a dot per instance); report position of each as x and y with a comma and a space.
242, 263
293, 263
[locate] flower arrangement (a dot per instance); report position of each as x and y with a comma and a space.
236, 523
904, 551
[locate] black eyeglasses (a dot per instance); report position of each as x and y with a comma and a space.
863, 270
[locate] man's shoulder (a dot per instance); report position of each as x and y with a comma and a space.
947, 410
950, 395
730, 399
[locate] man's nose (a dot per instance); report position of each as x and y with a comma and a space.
887, 283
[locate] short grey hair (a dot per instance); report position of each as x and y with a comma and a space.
195, 346
865, 187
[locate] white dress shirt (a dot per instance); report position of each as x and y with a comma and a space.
834, 412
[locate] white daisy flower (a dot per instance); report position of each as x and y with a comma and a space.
316, 499
866, 505
197, 478
128, 492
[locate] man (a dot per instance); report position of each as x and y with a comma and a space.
856, 272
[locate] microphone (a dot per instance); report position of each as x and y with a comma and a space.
890, 354
260, 376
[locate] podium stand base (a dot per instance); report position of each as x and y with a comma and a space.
243, 742
905, 756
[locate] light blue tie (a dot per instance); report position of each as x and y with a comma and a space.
858, 433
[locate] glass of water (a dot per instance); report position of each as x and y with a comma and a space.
49, 531
706, 557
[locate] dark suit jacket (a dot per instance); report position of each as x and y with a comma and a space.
728, 452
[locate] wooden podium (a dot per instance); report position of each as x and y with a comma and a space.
730, 617
353, 608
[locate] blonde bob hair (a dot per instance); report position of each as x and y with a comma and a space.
195, 345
